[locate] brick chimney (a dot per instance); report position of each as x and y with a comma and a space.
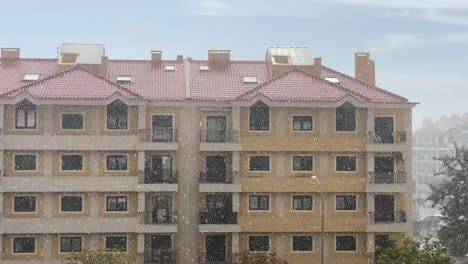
364, 68
219, 57
156, 56
10, 53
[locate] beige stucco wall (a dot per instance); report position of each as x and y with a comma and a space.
8, 206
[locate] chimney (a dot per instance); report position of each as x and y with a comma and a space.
219, 57
156, 56
317, 69
364, 68
180, 57
10, 53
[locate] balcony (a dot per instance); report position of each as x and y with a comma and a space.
220, 258
227, 181
396, 141
157, 257
218, 221
158, 218
161, 181
387, 182
158, 139
219, 140
388, 222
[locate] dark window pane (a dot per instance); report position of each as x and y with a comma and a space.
71, 204
346, 243
302, 243
116, 203
259, 202
259, 163
346, 202
302, 123
24, 245
72, 162
302, 202
345, 163
117, 115
162, 128
72, 121
345, 118
303, 163
259, 243
259, 117
70, 244
25, 115
117, 243
25, 162
117, 162
24, 204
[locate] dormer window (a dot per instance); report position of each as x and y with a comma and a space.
204, 68
259, 117
25, 115
117, 116
31, 77
249, 79
124, 79
332, 80
170, 68
346, 118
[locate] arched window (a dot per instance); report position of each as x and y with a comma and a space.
259, 117
117, 115
346, 118
25, 115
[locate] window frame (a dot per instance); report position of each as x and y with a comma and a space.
347, 211
257, 210
116, 154
302, 211
261, 155
72, 154
300, 251
24, 195
346, 155
302, 171
269, 120
302, 130
107, 117
26, 104
69, 236
72, 129
71, 195
110, 251
347, 251
25, 154
107, 196
23, 253
355, 118
269, 243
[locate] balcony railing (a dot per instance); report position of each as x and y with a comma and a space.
387, 177
162, 134
159, 217
229, 258
217, 216
157, 257
219, 136
212, 177
398, 137
160, 177
399, 217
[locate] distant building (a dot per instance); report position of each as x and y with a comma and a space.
434, 140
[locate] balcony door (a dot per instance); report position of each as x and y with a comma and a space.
215, 246
161, 169
162, 209
384, 169
162, 128
384, 208
161, 249
216, 129
219, 207
384, 129
216, 169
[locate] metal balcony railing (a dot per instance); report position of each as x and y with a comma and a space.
159, 217
387, 177
157, 257
213, 177
157, 177
219, 136
228, 258
399, 217
398, 137
218, 216
162, 134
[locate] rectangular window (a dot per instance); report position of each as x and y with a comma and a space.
345, 119
302, 243
72, 121
72, 162
70, 244
259, 163
303, 123
24, 245
71, 204
116, 243
346, 243
116, 203
259, 243
117, 162
303, 203
25, 162
24, 204
303, 163
25, 116
346, 203
346, 163
117, 115
259, 202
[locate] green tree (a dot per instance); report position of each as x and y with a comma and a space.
408, 251
452, 196
100, 257
258, 258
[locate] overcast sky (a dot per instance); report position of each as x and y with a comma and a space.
420, 48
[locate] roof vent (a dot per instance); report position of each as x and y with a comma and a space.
170, 68
204, 68
124, 79
31, 77
332, 79
249, 79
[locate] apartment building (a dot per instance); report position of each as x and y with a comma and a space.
195, 161
434, 141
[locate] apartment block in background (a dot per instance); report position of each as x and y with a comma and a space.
195, 161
